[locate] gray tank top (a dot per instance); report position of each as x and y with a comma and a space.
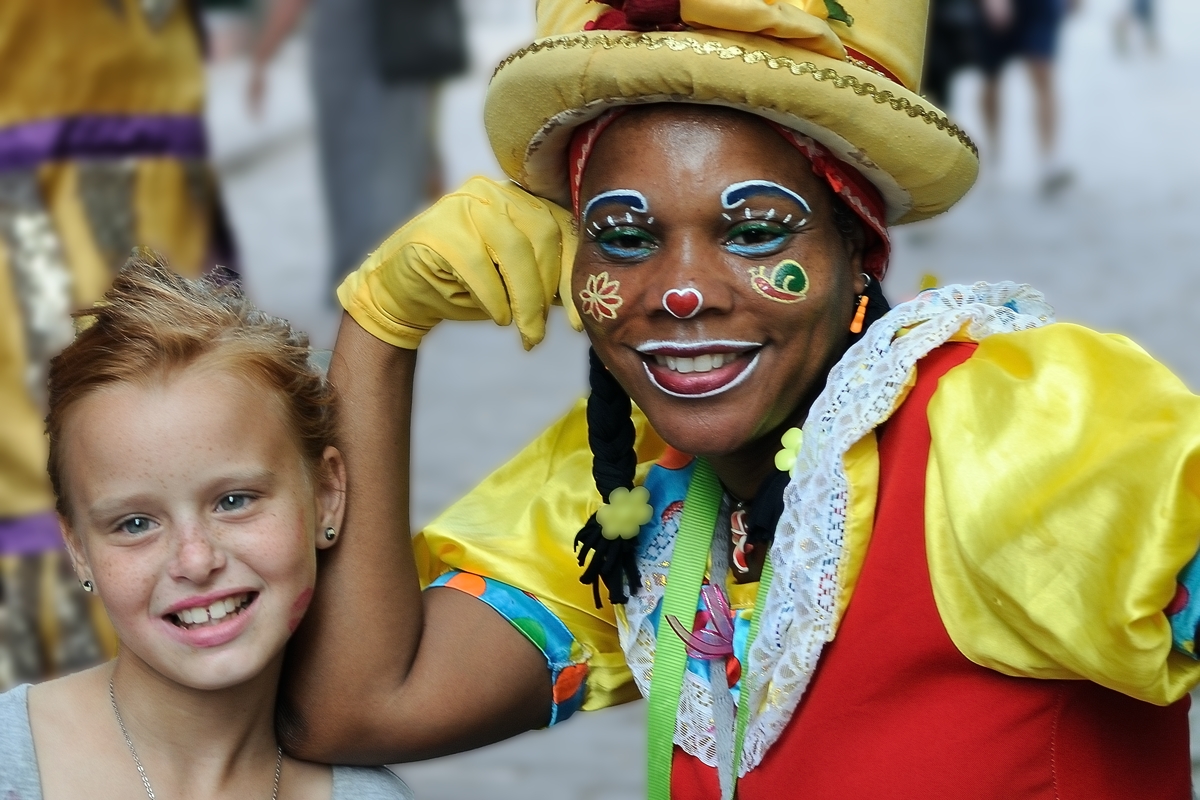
19, 770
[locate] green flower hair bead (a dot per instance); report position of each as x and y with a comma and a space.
785, 459
625, 512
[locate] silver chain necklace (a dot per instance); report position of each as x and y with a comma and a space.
112, 698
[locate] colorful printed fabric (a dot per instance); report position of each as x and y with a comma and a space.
564, 656
668, 484
1183, 613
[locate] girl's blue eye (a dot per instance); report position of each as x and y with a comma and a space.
136, 526
232, 502
626, 242
756, 238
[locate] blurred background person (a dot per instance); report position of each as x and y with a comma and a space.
1028, 30
1137, 15
375, 66
955, 28
102, 148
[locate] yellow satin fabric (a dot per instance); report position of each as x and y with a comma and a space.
1063, 498
519, 525
803, 23
67, 57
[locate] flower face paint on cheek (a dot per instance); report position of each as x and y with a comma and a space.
787, 282
600, 298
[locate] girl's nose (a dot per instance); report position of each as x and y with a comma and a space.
197, 556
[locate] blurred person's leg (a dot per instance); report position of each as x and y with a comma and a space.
997, 46
376, 144
1040, 23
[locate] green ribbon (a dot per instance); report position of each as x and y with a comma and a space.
680, 598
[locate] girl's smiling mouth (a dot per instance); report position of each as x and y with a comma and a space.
695, 370
210, 621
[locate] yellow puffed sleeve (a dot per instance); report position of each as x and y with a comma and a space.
1063, 499
518, 526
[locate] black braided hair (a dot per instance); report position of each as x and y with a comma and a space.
614, 464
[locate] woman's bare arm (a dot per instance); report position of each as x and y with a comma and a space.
379, 673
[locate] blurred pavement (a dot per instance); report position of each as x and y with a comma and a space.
1117, 251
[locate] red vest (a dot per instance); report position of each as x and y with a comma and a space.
895, 711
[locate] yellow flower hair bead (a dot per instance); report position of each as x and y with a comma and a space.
785, 459
625, 512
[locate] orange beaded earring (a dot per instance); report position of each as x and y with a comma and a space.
856, 325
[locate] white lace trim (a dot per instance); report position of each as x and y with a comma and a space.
799, 617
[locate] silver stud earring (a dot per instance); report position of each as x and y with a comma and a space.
330, 534
88, 586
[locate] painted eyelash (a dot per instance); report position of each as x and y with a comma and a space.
770, 216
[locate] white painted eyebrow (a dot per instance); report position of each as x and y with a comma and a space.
630, 197
735, 194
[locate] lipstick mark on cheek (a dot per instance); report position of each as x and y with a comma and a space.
299, 606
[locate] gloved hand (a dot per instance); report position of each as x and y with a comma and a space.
488, 250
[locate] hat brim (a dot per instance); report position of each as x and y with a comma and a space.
921, 162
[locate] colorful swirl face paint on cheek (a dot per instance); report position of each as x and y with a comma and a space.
600, 298
787, 282
626, 197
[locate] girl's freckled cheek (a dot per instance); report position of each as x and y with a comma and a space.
299, 606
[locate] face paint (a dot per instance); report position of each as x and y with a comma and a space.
736, 194
787, 282
683, 303
629, 197
599, 299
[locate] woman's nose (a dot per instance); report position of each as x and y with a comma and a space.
197, 555
689, 280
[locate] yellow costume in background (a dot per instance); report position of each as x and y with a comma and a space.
102, 148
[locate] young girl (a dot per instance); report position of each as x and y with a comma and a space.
191, 456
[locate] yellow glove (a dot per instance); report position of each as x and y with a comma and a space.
489, 250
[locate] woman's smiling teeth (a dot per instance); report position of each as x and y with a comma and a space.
702, 363
207, 615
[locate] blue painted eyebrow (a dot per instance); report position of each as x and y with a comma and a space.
738, 193
630, 197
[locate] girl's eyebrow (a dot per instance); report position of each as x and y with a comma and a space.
630, 197
734, 195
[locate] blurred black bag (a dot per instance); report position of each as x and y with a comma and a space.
419, 40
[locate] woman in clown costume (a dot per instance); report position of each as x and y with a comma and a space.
936, 551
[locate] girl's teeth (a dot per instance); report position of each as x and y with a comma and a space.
702, 363
218, 610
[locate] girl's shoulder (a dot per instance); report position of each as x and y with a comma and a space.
18, 763
368, 783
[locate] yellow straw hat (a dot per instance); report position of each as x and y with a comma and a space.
844, 73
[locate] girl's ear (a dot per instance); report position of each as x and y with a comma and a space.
331, 496
75, 549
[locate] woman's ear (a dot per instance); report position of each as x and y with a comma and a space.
331, 497
75, 550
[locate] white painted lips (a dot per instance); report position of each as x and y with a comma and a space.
695, 359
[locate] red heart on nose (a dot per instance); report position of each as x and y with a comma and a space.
682, 303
